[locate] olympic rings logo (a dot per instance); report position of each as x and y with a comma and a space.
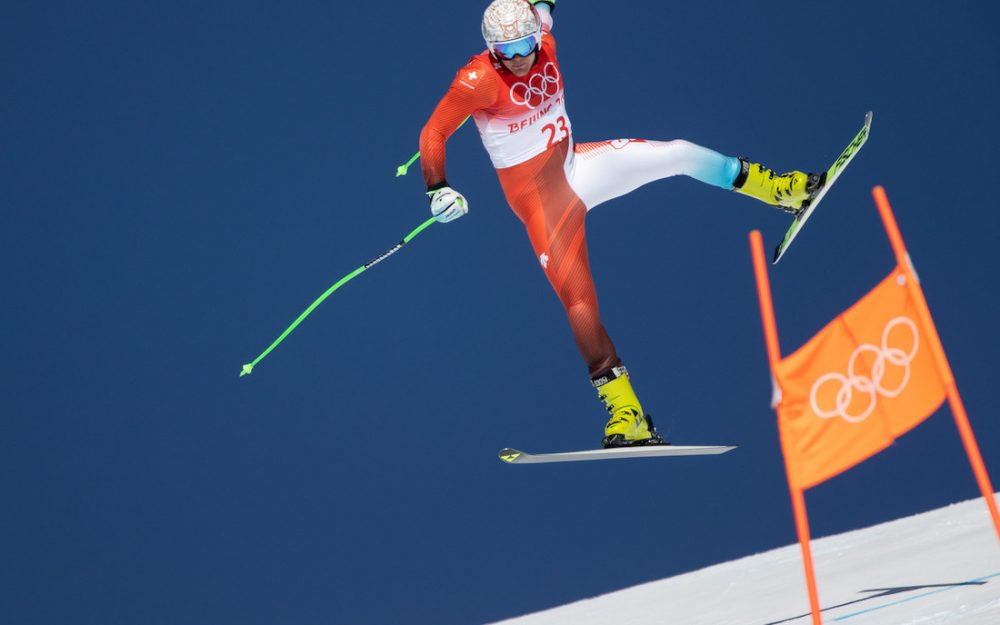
539, 87
872, 386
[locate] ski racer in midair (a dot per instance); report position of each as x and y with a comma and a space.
514, 92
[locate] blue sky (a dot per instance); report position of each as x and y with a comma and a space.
181, 180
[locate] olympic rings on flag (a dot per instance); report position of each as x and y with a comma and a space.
872, 386
539, 87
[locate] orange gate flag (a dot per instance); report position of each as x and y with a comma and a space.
865, 379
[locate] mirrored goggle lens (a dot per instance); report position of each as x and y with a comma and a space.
518, 47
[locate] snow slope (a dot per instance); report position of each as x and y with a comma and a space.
933, 568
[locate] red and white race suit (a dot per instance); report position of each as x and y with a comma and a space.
549, 181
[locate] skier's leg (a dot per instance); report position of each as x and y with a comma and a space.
568, 270
554, 216
608, 169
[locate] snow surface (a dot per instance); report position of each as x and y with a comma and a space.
937, 567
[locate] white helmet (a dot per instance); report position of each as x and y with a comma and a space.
505, 20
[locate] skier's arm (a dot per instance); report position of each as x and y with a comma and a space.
545, 9
472, 90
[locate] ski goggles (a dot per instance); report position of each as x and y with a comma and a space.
516, 47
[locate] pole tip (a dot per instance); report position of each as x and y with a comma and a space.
247, 369
401, 170
878, 192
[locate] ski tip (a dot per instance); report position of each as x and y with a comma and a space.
509, 455
778, 253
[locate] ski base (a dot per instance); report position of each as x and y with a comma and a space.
831, 176
514, 456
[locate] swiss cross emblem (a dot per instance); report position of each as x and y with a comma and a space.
473, 75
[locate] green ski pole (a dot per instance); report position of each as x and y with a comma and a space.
248, 368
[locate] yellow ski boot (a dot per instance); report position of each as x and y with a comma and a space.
792, 191
628, 424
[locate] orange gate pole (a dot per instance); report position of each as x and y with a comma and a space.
954, 399
774, 357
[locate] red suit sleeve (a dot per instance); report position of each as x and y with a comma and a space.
474, 88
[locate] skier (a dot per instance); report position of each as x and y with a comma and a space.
514, 92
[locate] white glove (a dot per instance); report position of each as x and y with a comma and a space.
447, 204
